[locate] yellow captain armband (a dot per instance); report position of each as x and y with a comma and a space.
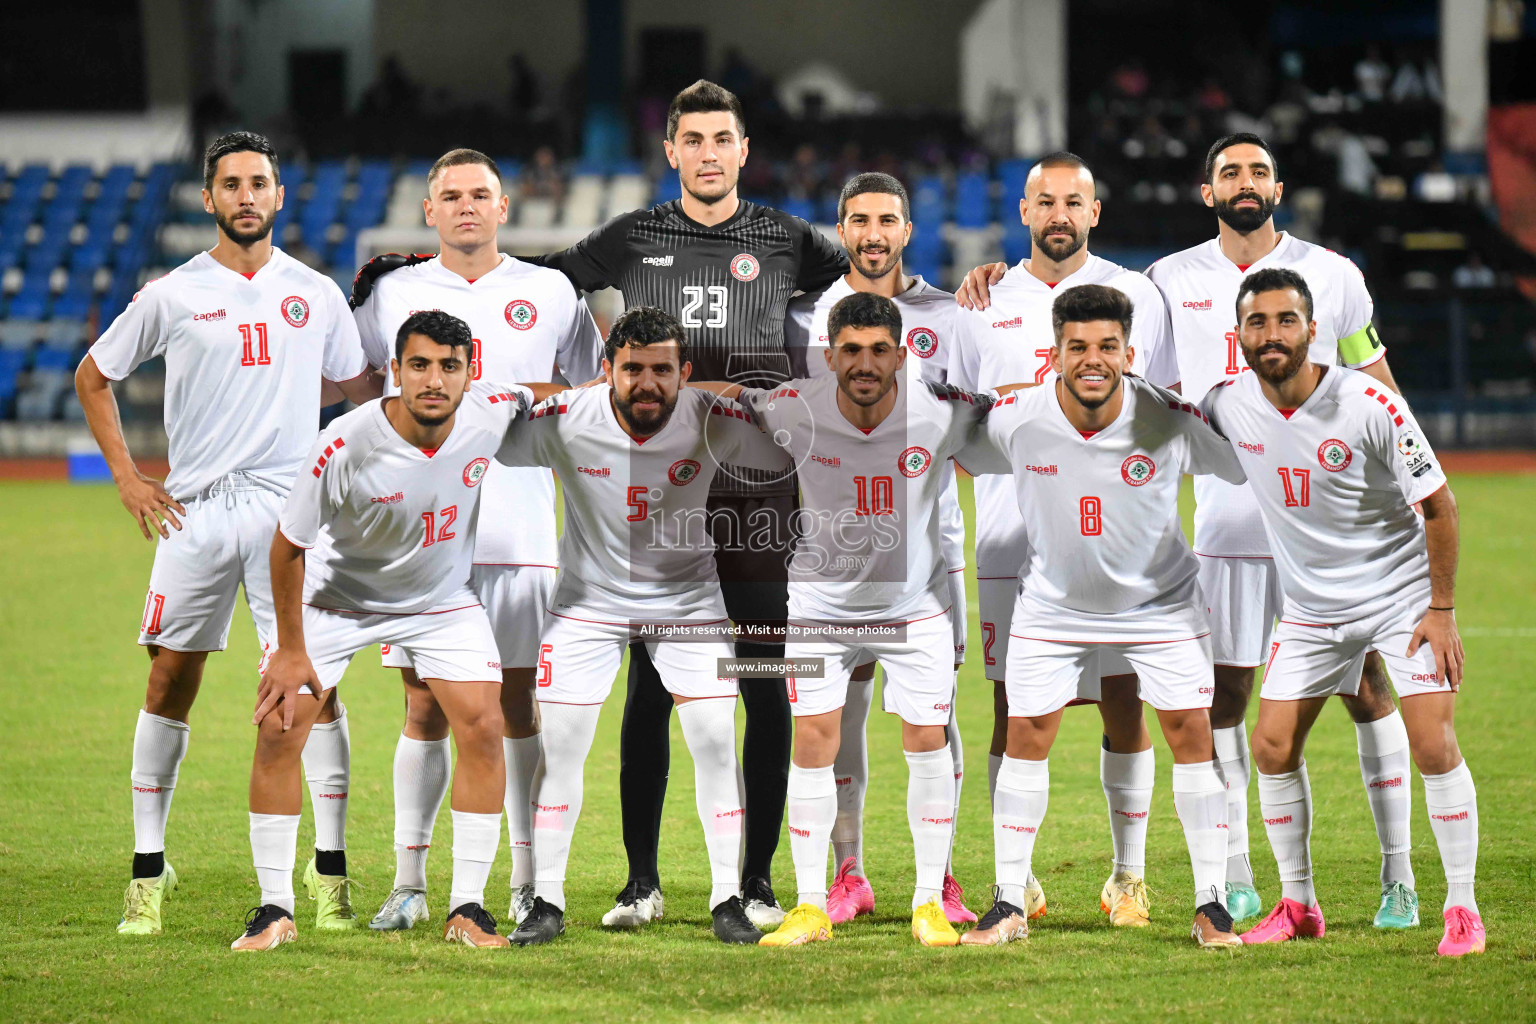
1360, 347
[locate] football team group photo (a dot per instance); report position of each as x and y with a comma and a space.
745, 578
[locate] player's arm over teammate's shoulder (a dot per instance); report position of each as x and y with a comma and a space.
344, 362
533, 438
987, 449
737, 437
820, 260
598, 260
1206, 451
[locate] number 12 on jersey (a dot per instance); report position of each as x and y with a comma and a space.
435, 533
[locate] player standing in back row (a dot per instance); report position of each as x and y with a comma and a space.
247, 333
874, 223
526, 322
725, 268
1237, 572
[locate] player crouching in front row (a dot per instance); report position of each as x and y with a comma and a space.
1109, 569
870, 442
374, 546
1337, 465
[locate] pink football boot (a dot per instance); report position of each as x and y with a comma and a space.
1288, 920
850, 895
955, 911
1464, 933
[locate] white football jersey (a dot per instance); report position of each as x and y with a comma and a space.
869, 546
636, 543
1335, 483
391, 528
243, 362
928, 327
526, 321
1107, 559
1010, 343
1201, 286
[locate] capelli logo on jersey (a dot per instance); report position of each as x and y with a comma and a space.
824, 460
1431, 677
1017, 321
216, 315
941, 707
1387, 783
1257, 449
1202, 304
657, 261
594, 470
389, 499
1042, 470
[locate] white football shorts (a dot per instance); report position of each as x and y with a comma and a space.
1242, 598
225, 542
1318, 660
919, 673
580, 653
514, 598
1047, 675
454, 643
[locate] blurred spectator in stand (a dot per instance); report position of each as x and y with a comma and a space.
1131, 80
1372, 75
1474, 273
804, 176
525, 87
1212, 97
541, 177
393, 92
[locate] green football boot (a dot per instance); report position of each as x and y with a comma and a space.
1399, 907
141, 903
333, 899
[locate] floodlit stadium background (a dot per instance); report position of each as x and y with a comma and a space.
1406, 140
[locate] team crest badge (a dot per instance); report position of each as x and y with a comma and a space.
1137, 470
1334, 455
683, 471
744, 267
475, 471
914, 461
295, 311
922, 342
521, 314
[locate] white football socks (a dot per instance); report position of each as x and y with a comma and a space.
957, 767
851, 775
327, 758
1018, 808
1200, 798
422, 770
1384, 768
475, 838
1128, 780
1236, 768
557, 792
274, 847
709, 730
812, 808
1452, 803
522, 759
994, 765
931, 817
159, 744
1285, 801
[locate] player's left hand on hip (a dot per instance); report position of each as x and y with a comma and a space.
1438, 629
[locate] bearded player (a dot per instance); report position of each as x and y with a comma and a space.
635, 458
726, 269
874, 223
1237, 571
1337, 465
527, 321
1009, 342
248, 335
374, 546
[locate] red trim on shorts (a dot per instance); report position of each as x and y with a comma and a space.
1267, 558
523, 565
393, 615
953, 571
1312, 625
574, 703
1050, 640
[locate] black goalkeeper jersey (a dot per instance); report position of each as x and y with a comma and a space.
729, 285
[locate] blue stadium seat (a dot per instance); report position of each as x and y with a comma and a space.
1016, 243
323, 205
930, 204
668, 188
799, 207
826, 208
973, 201
54, 359
12, 361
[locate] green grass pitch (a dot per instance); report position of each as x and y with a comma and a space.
75, 573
